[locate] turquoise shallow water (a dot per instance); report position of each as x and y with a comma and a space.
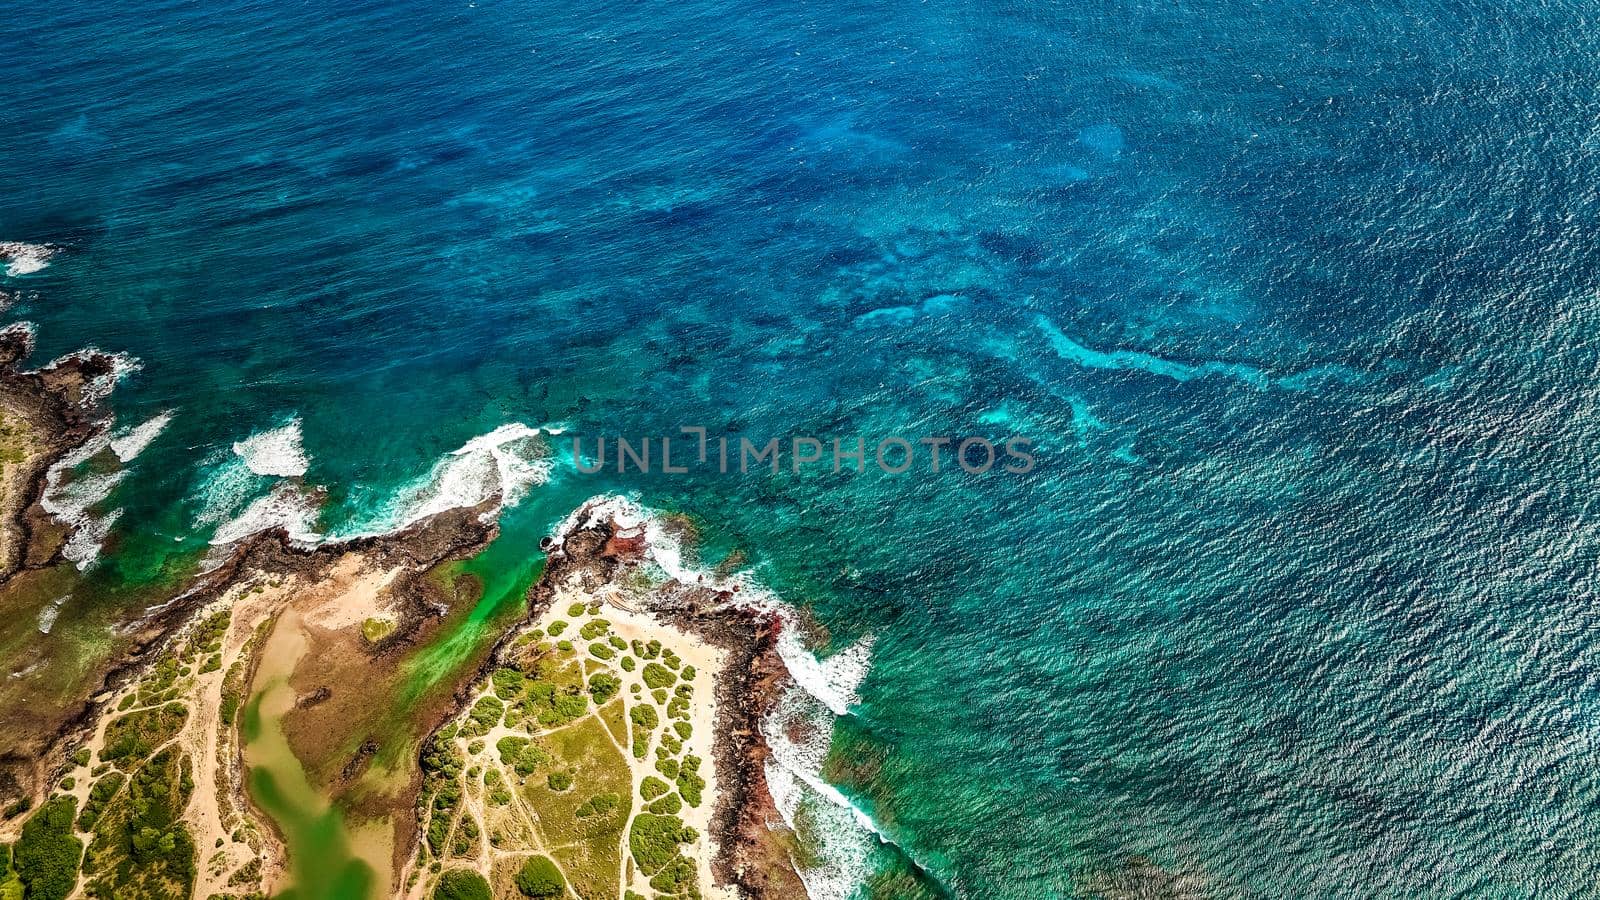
1296, 302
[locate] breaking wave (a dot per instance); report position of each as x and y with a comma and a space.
278, 451
25, 259
505, 463
129, 442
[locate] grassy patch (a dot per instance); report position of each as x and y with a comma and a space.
377, 628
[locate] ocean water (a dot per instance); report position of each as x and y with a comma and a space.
1296, 301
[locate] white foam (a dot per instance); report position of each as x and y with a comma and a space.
129, 442
82, 547
71, 501
834, 681
505, 463
276, 452
25, 259
226, 489
49, 614
840, 836
286, 506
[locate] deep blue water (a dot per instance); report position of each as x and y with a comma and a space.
1297, 300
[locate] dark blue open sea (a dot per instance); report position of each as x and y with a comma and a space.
1299, 303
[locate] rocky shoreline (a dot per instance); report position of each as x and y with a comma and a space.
752, 855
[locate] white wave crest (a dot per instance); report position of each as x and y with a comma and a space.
129, 442
83, 545
51, 612
25, 259
839, 836
70, 497
505, 463
286, 506
278, 451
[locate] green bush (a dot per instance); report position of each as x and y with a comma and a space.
666, 806
603, 686
684, 729
628, 664
652, 787
462, 884
617, 642
521, 754
539, 877
658, 676
556, 628
688, 673
576, 610
644, 716
559, 781
508, 683
598, 805
601, 651
485, 714
47, 855
654, 840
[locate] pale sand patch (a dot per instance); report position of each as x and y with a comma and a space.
350, 595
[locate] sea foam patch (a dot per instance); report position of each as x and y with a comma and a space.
277, 452
505, 463
25, 259
128, 443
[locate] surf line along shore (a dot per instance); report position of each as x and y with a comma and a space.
620, 750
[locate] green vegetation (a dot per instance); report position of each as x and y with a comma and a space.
508, 684
628, 664
601, 651
603, 686
559, 781
376, 628
688, 673
666, 806
131, 738
10, 885
141, 847
617, 643
652, 787
594, 629
462, 884
654, 841
521, 754
658, 676
539, 877
576, 610
46, 856
556, 628
684, 729
690, 784
599, 804
485, 714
